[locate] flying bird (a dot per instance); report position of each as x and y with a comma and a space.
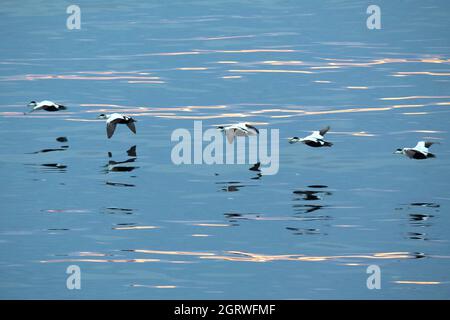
113, 119
45, 105
420, 151
240, 130
315, 139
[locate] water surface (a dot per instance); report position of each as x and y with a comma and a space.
140, 227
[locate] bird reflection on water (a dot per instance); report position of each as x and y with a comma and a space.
420, 219
121, 166
310, 195
52, 166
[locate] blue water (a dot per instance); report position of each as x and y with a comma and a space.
155, 230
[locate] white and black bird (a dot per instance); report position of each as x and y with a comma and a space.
420, 151
45, 105
315, 139
113, 119
241, 129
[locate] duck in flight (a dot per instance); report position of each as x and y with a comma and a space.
113, 119
241, 129
315, 139
420, 151
45, 105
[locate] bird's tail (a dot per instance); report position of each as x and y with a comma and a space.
431, 155
61, 107
327, 144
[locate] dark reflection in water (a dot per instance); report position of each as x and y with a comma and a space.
117, 210
256, 168
114, 166
415, 205
132, 152
118, 166
257, 177
255, 60
235, 217
63, 148
231, 186
417, 236
50, 167
425, 204
309, 202
418, 255
310, 195
56, 167
124, 225
308, 208
121, 169
304, 231
420, 218
113, 163
119, 184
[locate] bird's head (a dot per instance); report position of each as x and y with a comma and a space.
221, 128
295, 140
32, 104
102, 116
399, 151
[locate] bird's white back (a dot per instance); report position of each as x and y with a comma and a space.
421, 147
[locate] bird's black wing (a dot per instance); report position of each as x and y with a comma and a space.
110, 128
132, 126
324, 130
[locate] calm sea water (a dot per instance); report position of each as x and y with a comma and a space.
140, 227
